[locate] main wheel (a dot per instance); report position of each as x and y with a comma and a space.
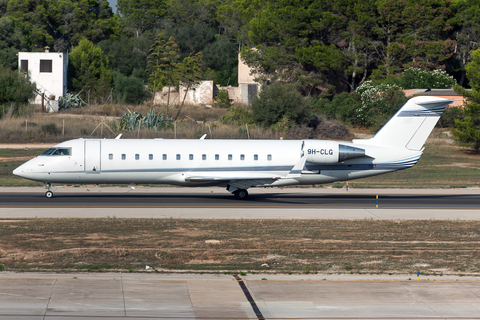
49, 194
241, 194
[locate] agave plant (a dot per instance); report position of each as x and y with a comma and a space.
130, 120
71, 101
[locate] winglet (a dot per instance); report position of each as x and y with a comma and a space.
296, 171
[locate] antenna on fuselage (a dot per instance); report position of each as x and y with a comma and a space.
203, 137
118, 137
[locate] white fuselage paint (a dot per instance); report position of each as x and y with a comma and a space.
100, 161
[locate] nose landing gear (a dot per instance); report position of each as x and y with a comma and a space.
49, 193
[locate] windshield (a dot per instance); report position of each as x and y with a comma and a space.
58, 152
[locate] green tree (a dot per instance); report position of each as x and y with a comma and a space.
88, 71
280, 101
127, 55
467, 129
142, 15
11, 40
15, 87
162, 65
62, 23
294, 42
466, 22
189, 75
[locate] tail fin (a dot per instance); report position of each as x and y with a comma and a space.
411, 125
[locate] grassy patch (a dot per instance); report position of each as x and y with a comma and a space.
287, 246
10, 159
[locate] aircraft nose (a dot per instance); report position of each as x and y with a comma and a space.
18, 171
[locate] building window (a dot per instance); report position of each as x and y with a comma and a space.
217, 157
164, 157
190, 156
269, 157
255, 157
178, 157
204, 157
242, 157
150, 156
46, 66
137, 156
110, 156
230, 157
124, 156
24, 65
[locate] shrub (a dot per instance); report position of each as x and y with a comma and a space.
379, 103
237, 115
423, 79
222, 99
278, 100
129, 90
342, 107
320, 127
15, 87
50, 129
447, 120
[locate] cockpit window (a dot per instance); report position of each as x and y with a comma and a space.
49, 152
58, 152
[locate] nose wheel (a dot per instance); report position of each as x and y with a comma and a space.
49, 193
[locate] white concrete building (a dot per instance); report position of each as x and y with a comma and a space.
49, 72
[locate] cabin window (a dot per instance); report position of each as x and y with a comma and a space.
230, 157
178, 157
150, 156
137, 156
204, 157
190, 156
217, 157
124, 156
242, 157
255, 157
110, 156
269, 157
164, 157
46, 66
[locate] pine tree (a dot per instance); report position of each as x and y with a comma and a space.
467, 129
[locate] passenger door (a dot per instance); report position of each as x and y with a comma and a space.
92, 156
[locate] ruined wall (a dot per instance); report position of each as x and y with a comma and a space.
201, 94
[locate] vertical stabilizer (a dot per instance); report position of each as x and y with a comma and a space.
411, 125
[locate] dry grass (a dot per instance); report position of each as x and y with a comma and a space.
362, 246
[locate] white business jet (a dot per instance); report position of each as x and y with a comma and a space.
239, 164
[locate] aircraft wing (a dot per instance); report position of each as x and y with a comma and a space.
237, 182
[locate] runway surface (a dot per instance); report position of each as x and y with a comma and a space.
216, 203
174, 296
259, 198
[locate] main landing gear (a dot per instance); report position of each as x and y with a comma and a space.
241, 194
49, 193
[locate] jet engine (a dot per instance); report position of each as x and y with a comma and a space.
329, 152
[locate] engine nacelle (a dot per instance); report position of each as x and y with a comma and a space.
329, 152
